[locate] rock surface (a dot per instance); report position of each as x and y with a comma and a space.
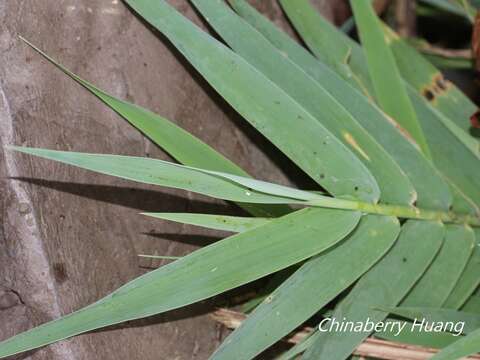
69, 237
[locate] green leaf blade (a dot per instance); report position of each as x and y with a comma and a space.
463, 347
429, 82
449, 154
469, 280
311, 287
386, 283
394, 185
433, 192
330, 45
275, 114
159, 172
387, 82
217, 222
204, 273
330, 39
180, 144
436, 284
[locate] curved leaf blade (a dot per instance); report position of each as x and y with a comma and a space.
389, 87
273, 112
394, 185
204, 273
449, 154
463, 347
310, 288
472, 305
434, 287
180, 144
384, 284
330, 45
332, 38
164, 173
469, 280
432, 190
429, 82
217, 222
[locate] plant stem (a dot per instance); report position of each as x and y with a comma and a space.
407, 212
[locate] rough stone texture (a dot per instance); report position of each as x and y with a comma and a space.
68, 236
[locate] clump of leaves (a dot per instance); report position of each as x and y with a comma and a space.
377, 127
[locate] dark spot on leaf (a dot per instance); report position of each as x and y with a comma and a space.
404, 259
277, 102
299, 117
428, 94
355, 188
322, 176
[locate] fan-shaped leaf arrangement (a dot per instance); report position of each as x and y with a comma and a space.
378, 128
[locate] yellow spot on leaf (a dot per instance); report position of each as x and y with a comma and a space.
353, 143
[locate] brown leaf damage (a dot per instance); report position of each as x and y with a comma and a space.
437, 86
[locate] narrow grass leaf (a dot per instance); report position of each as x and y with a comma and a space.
446, 62
467, 346
218, 222
180, 144
204, 273
472, 305
299, 348
330, 45
454, 106
434, 287
395, 187
435, 315
469, 280
389, 87
383, 285
449, 154
432, 190
267, 107
462, 203
310, 288
164, 173
436, 284
331, 38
